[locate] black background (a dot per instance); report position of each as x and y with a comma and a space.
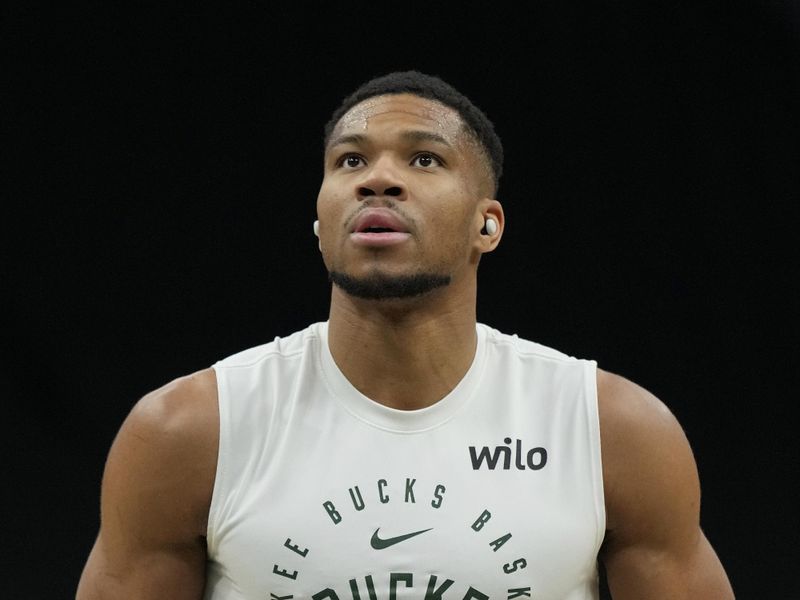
163, 167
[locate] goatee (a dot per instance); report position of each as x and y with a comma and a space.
378, 286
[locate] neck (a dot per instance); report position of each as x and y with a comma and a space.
405, 354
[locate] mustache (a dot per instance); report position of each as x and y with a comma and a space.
392, 205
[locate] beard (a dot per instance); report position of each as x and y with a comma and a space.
378, 286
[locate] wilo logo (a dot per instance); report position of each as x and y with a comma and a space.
535, 458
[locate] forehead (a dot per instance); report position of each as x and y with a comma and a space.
402, 110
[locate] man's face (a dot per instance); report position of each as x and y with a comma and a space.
401, 193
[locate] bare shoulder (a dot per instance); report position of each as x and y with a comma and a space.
654, 544
170, 438
155, 497
625, 404
183, 411
643, 447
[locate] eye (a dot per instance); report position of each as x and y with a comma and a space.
426, 159
350, 161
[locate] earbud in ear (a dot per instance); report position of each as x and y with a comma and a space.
490, 227
316, 228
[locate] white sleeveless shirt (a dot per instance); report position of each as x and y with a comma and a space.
493, 492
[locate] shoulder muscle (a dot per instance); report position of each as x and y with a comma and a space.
654, 546
648, 466
156, 492
165, 452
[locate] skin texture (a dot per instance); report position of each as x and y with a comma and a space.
382, 347
160, 472
156, 492
654, 547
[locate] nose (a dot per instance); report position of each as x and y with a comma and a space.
382, 178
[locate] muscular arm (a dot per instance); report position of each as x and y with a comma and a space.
654, 546
155, 497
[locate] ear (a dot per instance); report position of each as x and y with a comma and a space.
489, 209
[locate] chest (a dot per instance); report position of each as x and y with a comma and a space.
483, 507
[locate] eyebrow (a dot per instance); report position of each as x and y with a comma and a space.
413, 135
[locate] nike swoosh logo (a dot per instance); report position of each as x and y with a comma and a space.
380, 544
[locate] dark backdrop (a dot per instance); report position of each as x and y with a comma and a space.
163, 167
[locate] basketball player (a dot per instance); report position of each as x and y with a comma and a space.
400, 449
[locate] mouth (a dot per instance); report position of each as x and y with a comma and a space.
379, 220
379, 227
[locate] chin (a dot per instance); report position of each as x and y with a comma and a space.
385, 286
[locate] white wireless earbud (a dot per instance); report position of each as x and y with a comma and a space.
491, 226
316, 228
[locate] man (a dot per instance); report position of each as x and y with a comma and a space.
401, 450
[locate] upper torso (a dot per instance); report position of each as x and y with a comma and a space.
501, 481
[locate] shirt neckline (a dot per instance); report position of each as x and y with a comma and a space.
392, 419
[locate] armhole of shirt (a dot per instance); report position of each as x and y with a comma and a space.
593, 420
219, 491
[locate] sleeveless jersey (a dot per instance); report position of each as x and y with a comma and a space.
493, 492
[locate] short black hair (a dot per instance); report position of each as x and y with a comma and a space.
432, 88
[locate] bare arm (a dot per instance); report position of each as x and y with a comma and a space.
654, 546
155, 498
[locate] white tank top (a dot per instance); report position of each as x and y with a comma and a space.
493, 492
